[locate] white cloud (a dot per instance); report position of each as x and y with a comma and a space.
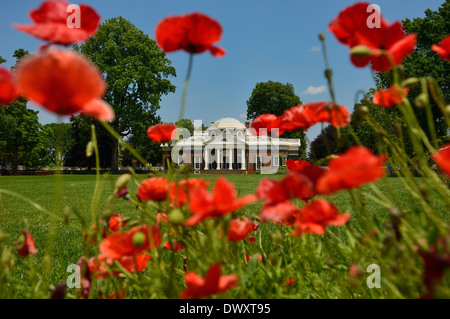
315, 90
243, 116
314, 49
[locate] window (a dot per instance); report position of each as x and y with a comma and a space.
180, 160
275, 161
257, 162
197, 162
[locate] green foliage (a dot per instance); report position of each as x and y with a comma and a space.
187, 124
22, 137
424, 62
136, 71
271, 98
2, 60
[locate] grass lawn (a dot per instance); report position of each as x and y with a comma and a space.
65, 243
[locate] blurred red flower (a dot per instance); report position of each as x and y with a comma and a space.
8, 90
239, 229
223, 200
313, 172
52, 19
355, 167
99, 265
213, 283
264, 124
279, 213
315, 216
390, 97
64, 82
179, 192
443, 49
193, 33
351, 28
176, 246
442, 158
304, 116
293, 185
123, 244
161, 132
153, 188
116, 222
25, 244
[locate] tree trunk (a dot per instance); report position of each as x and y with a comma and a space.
115, 155
15, 159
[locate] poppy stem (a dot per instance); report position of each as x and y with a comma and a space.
185, 86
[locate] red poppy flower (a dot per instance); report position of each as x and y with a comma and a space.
390, 97
289, 281
239, 229
351, 28
293, 185
355, 167
306, 115
64, 82
223, 200
265, 123
153, 188
8, 90
314, 217
161, 132
99, 265
52, 21
25, 244
180, 192
248, 257
443, 49
116, 222
280, 213
442, 158
213, 283
123, 244
313, 172
193, 33
176, 247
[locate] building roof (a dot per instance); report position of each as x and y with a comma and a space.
226, 122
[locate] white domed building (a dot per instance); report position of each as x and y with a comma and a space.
228, 146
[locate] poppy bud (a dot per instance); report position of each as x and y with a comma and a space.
90, 149
138, 239
410, 82
176, 217
122, 181
328, 74
421, 100
360, 51
59, 291
321, 36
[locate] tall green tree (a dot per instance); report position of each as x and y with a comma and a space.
59, 141
275, 98
22, 137
2, 60
136, 71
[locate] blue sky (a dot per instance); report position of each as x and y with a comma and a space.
264, 39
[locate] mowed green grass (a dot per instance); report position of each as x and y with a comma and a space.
64, 242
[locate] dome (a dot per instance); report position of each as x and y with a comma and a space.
225, 123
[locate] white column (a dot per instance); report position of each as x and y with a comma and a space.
230, 158
206, 158
243, 159
218, 158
